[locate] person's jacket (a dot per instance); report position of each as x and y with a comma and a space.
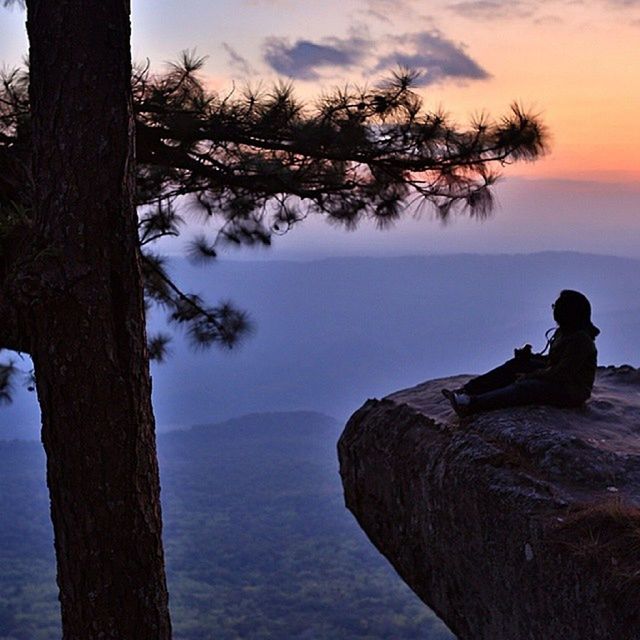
572, 363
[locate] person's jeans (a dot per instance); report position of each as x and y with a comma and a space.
504, 375
501, 388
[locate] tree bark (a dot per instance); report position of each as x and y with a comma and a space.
87, 325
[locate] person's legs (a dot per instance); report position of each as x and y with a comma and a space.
501, 376
520, 393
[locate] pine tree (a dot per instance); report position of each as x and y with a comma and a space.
258, 163
72, 298
75, 260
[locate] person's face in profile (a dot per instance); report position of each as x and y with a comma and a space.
556, 307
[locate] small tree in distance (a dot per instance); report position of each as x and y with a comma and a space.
74, 256
260, 162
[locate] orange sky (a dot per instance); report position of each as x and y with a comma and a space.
575, 61
582, 74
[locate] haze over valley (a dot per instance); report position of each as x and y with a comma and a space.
331, 333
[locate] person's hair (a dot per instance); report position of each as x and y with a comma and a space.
572, 312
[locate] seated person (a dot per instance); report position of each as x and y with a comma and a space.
564, 378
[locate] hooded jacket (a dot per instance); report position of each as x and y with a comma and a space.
572, 363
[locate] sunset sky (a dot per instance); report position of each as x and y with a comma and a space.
575, 62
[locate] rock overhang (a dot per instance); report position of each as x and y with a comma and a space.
434, 492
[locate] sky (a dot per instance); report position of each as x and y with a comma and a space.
575, 62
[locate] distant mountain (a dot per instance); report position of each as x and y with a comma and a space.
331, 333
258, 543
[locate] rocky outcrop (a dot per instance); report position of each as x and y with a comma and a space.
515, 524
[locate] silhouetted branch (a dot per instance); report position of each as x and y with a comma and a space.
205, 325
260, 161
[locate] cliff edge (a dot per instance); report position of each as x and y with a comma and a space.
516, 524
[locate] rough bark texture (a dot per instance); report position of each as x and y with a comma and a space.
86, 325
516, 524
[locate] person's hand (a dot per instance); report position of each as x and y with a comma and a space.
524, 353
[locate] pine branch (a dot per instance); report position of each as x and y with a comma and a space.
8, 373
157, 347
260, 162
222, 324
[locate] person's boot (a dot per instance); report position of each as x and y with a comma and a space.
460, 402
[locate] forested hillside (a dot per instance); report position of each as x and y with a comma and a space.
258, 542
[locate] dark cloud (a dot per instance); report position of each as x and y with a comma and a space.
435, 57
389, 7
375, 13
237, 61
548, 20
389, 11
304, 58
500, 9
490, 9
428, 52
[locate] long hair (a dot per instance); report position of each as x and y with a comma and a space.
572, 312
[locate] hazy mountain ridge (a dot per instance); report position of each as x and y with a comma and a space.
332, 332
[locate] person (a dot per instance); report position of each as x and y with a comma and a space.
563, 378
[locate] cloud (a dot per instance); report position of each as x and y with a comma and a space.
377, 14
504, 9
386, 7
548, 20
237, 61
492, 9
435, 57
304, 58
429, 53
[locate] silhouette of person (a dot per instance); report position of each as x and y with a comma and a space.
563, 378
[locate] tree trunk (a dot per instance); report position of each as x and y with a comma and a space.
87, 325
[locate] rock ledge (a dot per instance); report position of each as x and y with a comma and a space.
515, 524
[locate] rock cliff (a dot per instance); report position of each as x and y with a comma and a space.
518, 524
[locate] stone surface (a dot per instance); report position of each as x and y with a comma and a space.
514, 524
